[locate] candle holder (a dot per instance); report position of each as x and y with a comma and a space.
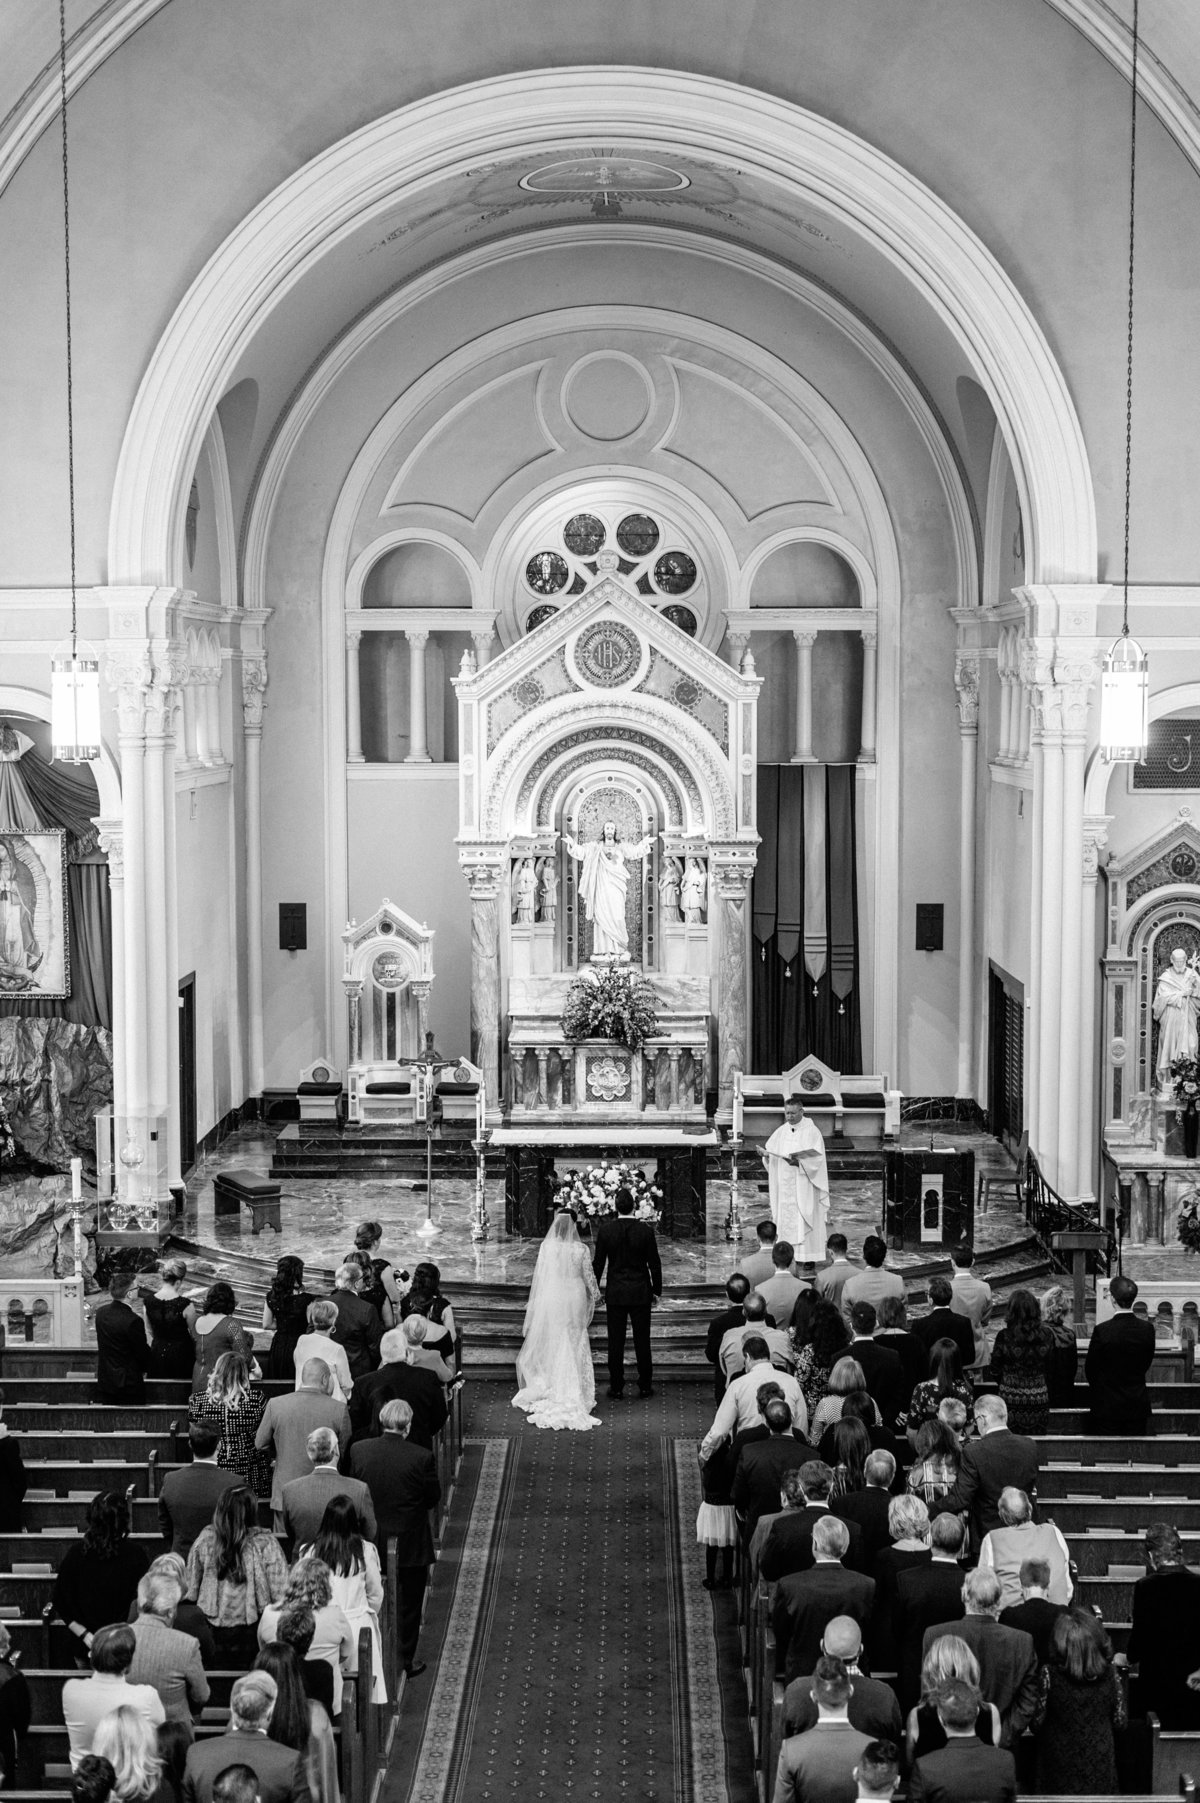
480, 1223
733, 1220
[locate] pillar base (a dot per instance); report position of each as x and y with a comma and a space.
418, 757
805, 760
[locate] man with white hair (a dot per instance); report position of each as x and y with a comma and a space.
289, 1420
404, 1481
996, 1461
1020, 1537
806, 1601
1008, 1667
305, 1499
359, 1326
164, 1657
399, 1377
281, 1771
425, 1358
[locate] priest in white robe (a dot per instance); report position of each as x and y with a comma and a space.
795, 1160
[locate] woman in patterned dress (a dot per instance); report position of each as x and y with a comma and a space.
235, 1409
1021, 1364
819, 1342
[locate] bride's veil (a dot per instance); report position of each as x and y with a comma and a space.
556, 1271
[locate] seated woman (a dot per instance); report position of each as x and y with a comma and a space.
235, 1570
98, 1579
130, 1744
235, 1409
1020, 1537
285, 1315
1063, 1362
311, 1584
1020, 1364
935, 1469
425, 1298
300, 1723
415, 1330
317, 1344
908, 1524
845, 1378
945, 1379
948, 1658
214, 1331
354, 1576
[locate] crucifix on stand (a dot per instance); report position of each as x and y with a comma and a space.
430, 1069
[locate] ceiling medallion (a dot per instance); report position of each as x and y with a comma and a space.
600, 175
607, 653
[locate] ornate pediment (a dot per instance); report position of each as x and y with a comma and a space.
391, 947
1170, 858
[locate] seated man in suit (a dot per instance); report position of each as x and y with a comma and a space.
404, 1482
971, 1297
807, 1601
398, 1377
737, 1288
872, 1283
188, 1497
818, 1766
926, 1595
289, 1420
944, 1323
761, 1464
874, 1710
996, 1461
1162, 1639
965, 1771
280, 1772
732, 1357
1035, 1614
781, 1289
1119, 1355
869, 1507
305, 1499
1008, 1668
788, 1546
760, 1264
880, 1365
831, 1281
164, 1657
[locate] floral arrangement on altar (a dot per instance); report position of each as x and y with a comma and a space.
593, 1191
1185, 1086
615, 1004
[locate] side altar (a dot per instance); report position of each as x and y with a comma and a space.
607, 820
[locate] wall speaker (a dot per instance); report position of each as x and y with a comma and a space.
293, 926
931, 918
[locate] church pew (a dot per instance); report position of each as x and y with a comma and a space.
92, 1418
1130, 1514
67, 1476
51, 1548
94, 1448
1168, 1419
1096, 1554
1174, 1754
1167, 1450
46, 1750
45, 1691
1061, 1481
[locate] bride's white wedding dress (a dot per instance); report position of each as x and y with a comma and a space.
554, 1365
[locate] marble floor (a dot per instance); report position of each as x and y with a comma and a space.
320, 1215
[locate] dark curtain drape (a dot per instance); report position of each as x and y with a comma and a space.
805, 909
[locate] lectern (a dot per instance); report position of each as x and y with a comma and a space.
928, 1198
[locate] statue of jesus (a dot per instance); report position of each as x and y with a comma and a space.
1176, 1003
603, 882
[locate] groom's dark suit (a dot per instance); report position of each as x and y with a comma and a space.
630, 1251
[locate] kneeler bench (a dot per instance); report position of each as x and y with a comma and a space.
260, 1194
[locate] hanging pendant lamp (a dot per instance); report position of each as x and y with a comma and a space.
74, 669
1125, 672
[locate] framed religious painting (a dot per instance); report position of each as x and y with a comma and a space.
35, 962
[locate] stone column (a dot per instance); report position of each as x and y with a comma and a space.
418, 751
484, 880
195, 694
1155, 1209
966, 682
805, 641
866, 737
112, 844
354, 750
212, 695
160, 949
729, 882
128, 674
354, 996
254, 684
483, 647
1095, 837
420, 992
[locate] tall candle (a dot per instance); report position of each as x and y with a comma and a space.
76, 1181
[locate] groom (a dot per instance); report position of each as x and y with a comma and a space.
630, 1251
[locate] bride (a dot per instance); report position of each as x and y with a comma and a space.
554, 1365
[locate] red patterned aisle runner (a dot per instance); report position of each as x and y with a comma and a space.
577, 1654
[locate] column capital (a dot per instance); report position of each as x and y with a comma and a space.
1059, 677
128, 672
731, 868
966, 683
353, 638
417, 636
1095, 838
870, 635
112, 844
483, 866
804, 635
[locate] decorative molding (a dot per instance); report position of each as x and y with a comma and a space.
966, 684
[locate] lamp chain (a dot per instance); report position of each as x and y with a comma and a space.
62, 70
1129, 319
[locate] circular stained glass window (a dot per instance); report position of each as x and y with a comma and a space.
675, 573
538, 617
546, 573
683, 617
637, 535
584, 535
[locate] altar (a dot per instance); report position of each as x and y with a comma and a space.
607, 834
535, 1160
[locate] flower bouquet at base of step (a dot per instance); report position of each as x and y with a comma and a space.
615, 1003
593, 1192
1188, 1223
